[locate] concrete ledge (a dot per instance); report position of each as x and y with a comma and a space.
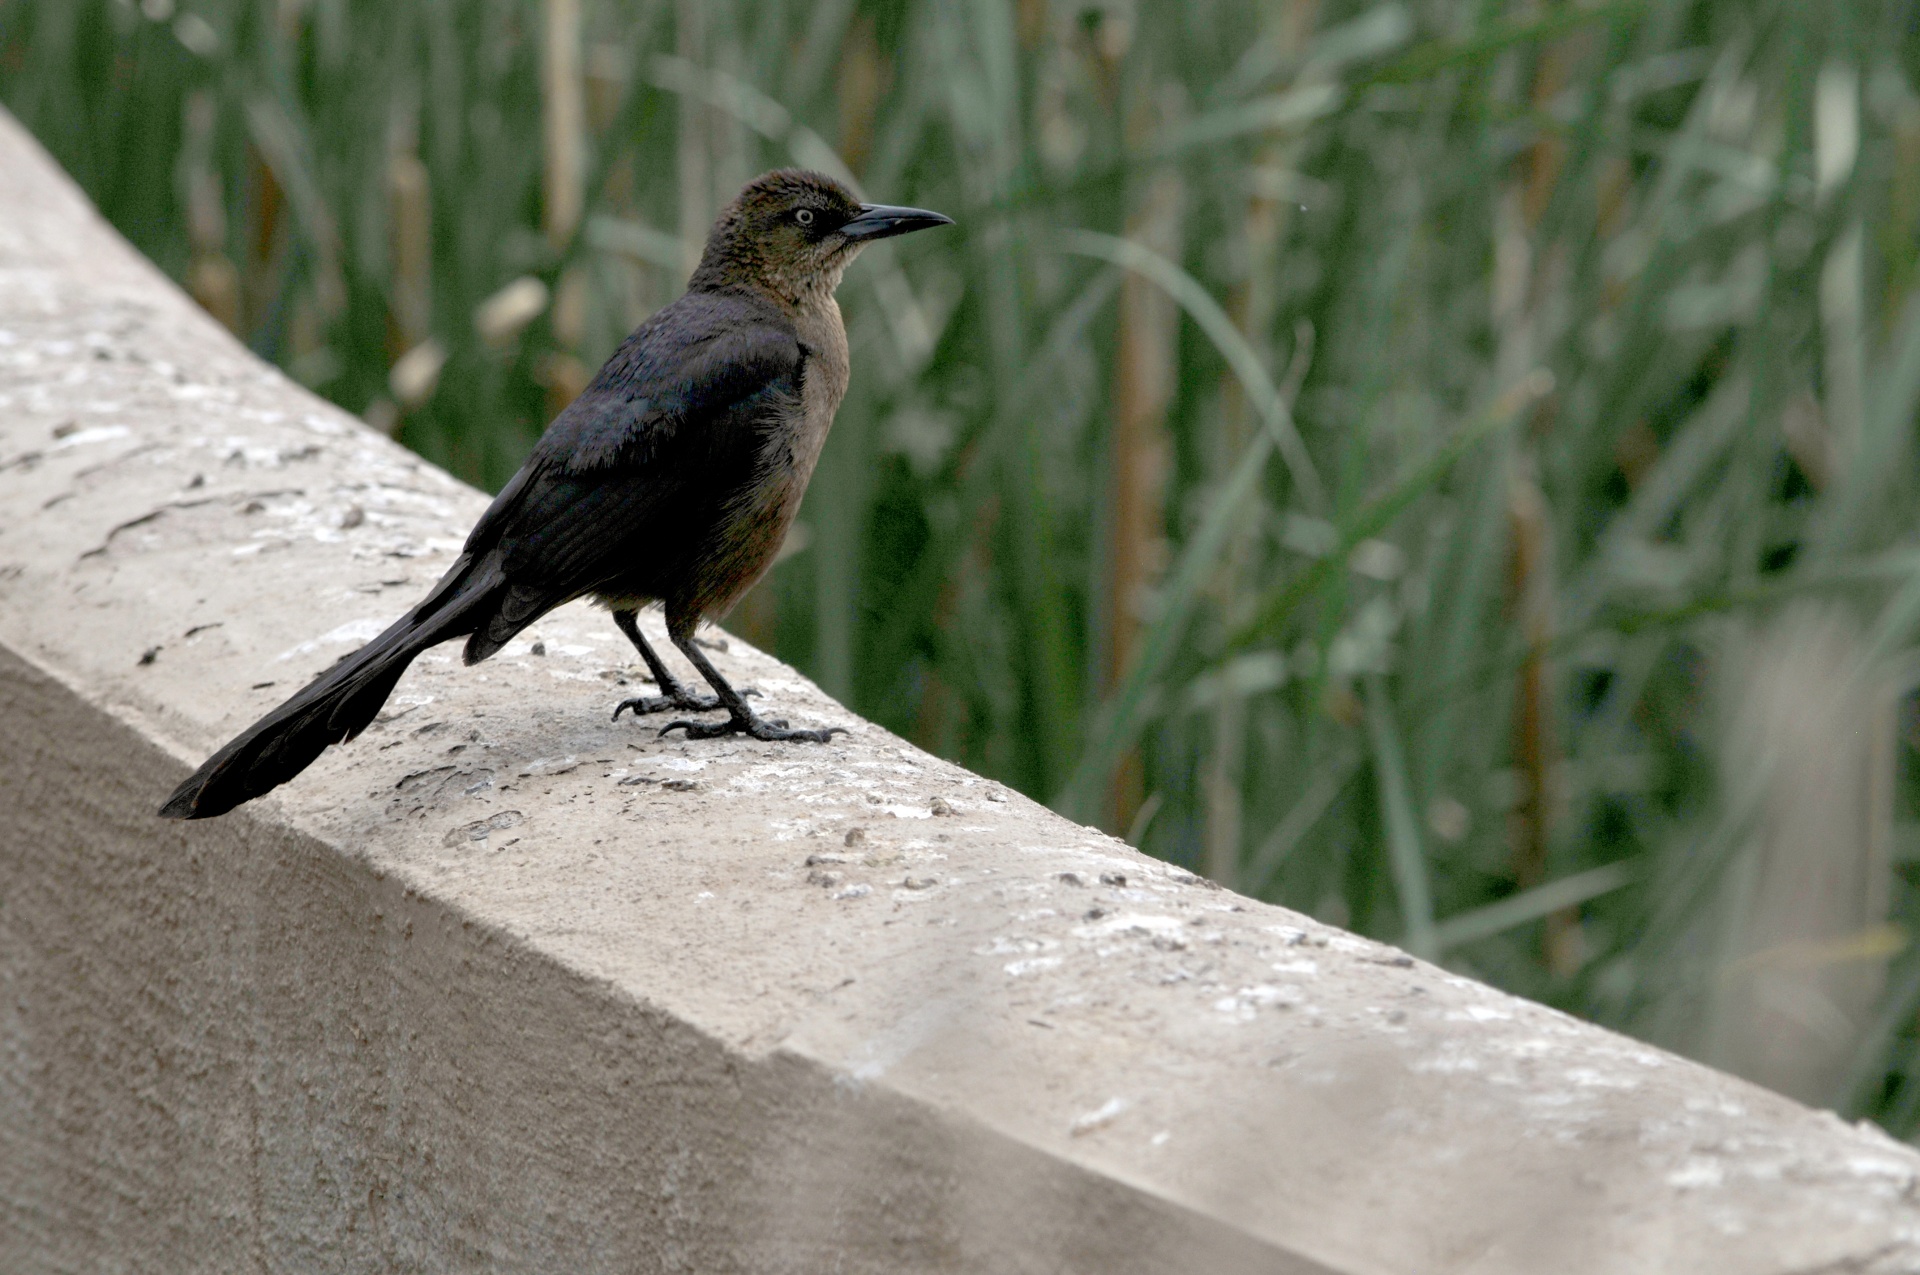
506, 986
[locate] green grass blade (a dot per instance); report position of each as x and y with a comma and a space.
1404, 850
1533, 905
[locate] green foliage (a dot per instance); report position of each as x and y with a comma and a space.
1529, 357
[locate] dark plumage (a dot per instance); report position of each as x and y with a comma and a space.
672, 479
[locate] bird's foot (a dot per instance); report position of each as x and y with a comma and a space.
640, 705
683, 700
754, 726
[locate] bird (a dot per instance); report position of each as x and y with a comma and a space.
671, 480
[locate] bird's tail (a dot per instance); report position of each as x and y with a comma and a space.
334, 707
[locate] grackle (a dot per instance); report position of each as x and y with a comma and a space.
672, 479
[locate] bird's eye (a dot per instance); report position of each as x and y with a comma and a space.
804, 216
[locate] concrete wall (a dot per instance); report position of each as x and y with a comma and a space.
506, 986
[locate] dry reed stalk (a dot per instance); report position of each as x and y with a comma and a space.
564, 122
1521, 284
692, 156
1031, 19
563, 119
1142, 389
862, 81
1548, 153
410, 227
1531, 597
607, 75
757, 616
1535, 742
938, 717
565, 375
1224, 779
212, 277
1803, 938
260, 268
1901, 227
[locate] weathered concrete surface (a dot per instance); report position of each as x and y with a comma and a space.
505, 986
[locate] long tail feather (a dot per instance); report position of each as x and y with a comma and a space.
333, 708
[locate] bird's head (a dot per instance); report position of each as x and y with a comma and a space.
793, 232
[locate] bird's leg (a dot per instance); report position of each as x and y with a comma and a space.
740, 719
673, 692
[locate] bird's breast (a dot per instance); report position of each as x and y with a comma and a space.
747, 539
824, 382
791, 450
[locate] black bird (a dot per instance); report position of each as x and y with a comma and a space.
672, 479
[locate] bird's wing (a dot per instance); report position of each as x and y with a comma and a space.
677, 411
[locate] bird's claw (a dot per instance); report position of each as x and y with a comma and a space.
755, 727
640, 705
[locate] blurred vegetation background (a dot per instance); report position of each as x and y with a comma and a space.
1448, 466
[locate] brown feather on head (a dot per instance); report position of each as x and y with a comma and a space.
778, 233
793, 231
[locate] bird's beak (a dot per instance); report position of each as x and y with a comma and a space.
883, 221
